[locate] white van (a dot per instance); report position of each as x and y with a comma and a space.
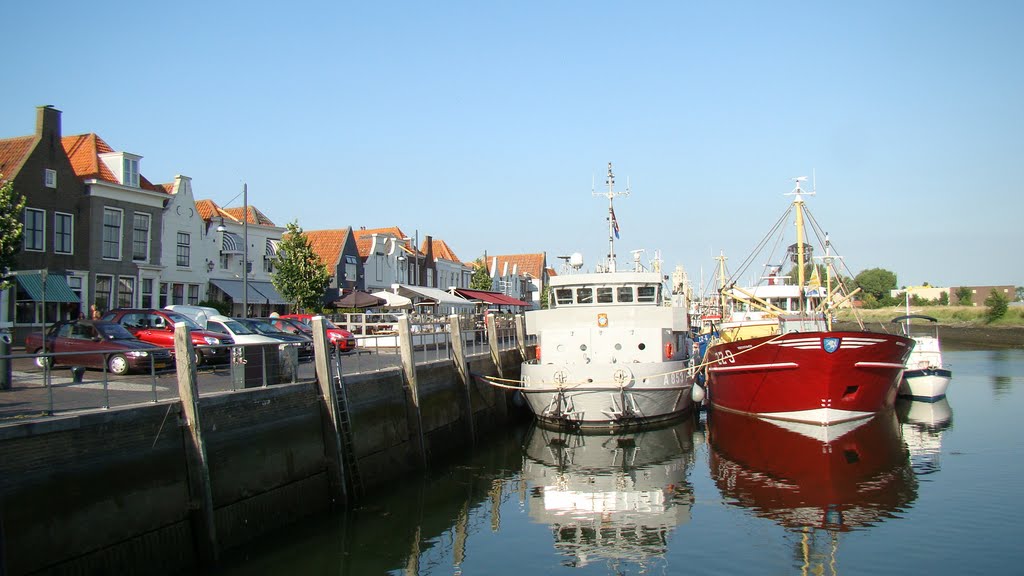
199, 314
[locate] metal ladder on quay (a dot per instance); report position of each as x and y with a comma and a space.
355, 482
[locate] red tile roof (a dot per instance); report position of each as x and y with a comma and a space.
84, 152
13, 152
327, 245
532, 264
254, 216
442, 250
208, 210
364, 238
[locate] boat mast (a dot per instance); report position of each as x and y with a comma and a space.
721, 283
612, 224
798, 203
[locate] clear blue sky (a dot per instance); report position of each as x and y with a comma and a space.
484, 123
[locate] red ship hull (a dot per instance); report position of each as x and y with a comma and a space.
815, 377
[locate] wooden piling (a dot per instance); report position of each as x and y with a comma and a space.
331, 419
458, 341
201, 516
405, 346
492, 341
521, 336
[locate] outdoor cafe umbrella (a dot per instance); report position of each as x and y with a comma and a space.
393, 300
357, 299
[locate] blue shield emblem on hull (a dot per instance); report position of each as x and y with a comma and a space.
830, 344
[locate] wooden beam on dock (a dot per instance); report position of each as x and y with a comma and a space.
331, 423
458, 341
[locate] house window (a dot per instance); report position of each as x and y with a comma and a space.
193, 294
35, 230
104, 285
225, 261
125, 292
63, 231
184, 250
147, 293
178, 294
75, 283
131, 172
268, 264
140, 236
50, 178
350, 268
163, 294
112, 233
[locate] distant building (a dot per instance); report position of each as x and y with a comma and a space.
923, 292
981, 293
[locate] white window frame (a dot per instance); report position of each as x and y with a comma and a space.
127, 281
49, 178
149, 235
42, 233
70, 233
131, 172
177, 251
105, 306
120, 232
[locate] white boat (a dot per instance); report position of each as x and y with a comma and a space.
924, 377
612, 346
613, 498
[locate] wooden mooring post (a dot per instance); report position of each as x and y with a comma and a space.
408, 352
200, 491
458, 341
331, 418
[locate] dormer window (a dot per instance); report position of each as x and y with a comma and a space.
131, 172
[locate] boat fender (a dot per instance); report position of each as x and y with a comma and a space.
697, 394
537, 353
668, 351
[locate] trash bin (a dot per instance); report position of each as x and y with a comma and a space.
248, 362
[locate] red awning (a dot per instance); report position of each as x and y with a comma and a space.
496, 298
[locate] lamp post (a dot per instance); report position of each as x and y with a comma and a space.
245, 250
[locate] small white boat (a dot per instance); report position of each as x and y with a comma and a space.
612, 350
925, 377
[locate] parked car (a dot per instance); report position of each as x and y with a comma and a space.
157, 327
342, 339
114, 347
198, 314
264, 327
241, 333
291, 326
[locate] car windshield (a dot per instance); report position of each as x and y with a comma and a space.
237, 328
262, 327
289, 323
114, 332
175, 318
329, 325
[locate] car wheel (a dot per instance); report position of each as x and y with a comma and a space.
198, 358
43, 361
118, 364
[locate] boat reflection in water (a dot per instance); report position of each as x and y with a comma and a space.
819, 481
610, 497
923, 424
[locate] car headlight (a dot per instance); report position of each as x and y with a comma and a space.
334, 337
137, 354
211, 340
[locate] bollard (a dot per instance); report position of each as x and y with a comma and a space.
77, 373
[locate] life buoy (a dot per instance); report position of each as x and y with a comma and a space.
668, 351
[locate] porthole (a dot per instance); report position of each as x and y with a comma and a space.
583, 347
618, 346
641, 346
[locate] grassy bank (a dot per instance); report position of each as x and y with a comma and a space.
950, 315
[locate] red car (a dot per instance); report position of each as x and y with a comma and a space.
340, 338
157, 327
114, 347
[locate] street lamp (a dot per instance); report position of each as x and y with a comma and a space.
245, 250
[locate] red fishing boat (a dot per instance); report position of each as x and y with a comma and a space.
777, 355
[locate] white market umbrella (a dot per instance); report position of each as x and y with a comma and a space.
393, 300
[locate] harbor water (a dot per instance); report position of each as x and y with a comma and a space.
930, 488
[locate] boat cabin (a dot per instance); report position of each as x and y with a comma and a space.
606, 290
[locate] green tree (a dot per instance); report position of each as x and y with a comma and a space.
545, 294
11, 227
997, 306
481, 279
944, 298
1019, 293
299, 275
877, 282
963, 296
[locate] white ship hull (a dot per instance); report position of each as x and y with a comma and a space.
925, 384
607, 395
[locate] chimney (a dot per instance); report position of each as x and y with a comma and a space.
47, 120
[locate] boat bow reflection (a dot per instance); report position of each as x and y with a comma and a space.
829, 478
610, 497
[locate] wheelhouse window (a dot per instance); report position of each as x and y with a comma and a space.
604, 295
63, 232
625, 294
34, 237
563, 296
184, 250
646, 294
140, 236
112, 233
584, 295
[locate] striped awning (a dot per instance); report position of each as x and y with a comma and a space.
232, 243
272, 247
57, 289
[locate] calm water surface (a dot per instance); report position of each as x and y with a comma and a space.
929, 489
